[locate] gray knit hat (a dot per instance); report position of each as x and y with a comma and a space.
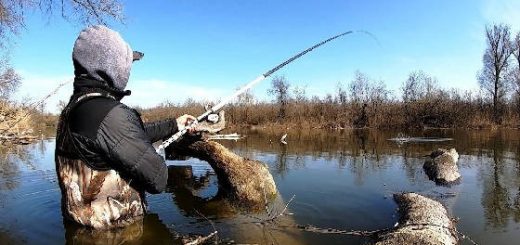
100, 53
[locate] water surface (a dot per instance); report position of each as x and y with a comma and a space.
340, 179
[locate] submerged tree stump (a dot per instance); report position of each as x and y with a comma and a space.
16, 138
441, 166
422, 221
243, 180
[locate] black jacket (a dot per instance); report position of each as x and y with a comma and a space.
106, 134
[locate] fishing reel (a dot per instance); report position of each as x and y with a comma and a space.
213, 118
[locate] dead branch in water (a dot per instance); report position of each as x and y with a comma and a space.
214, 233
282, 140
273, 218
374, 233
363, 233
201, 240
314, 229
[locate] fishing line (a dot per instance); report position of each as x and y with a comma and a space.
249, 85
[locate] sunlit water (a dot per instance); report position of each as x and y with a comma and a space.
340, 179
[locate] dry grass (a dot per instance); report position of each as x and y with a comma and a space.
18, 120
320, 113
14, 119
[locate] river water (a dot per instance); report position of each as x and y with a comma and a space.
339, 179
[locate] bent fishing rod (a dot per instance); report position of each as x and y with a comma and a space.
216, 108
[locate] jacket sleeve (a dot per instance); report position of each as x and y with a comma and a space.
129, 150
159, 130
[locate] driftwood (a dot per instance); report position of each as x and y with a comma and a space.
422, 221
245, 181
233, 136
185, 186
251, 227
200, 239
17, 138
282, 140
441, 166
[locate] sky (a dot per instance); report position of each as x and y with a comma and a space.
206, 49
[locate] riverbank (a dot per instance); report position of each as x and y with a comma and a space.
21, 124
331, 115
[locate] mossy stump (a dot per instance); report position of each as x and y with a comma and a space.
245, 181
441, 166
422, 221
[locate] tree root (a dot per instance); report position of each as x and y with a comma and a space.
245, 181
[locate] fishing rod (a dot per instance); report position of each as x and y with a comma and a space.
216, 108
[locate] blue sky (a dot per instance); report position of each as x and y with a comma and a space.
206, 49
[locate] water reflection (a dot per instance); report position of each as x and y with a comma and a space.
281, 161
500, 197
150, 230
8, 238
365, 152
11, 159
341, 179
186, 188
235, 221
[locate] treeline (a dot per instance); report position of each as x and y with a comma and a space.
364, 102
360, 103
19, 118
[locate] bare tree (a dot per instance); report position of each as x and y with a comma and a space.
13, 12
515, 71
360, 96
414, 86
246, 98
300, 93
493, 76
360, 88
12, 20
423, 100
515, 50
341, 94
379, 96
280, 89
9, 80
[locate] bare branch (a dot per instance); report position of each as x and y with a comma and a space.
9, 81
12, 13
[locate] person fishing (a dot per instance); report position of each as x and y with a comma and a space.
104, 156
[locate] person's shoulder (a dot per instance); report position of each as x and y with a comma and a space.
102, 102
87, 116
122, 113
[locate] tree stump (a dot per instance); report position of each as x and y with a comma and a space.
245, 181
422, 221
441, 166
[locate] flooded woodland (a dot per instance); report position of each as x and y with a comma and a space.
340, 179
